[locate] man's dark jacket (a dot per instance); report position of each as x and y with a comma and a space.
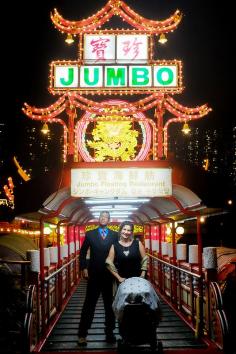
99, 250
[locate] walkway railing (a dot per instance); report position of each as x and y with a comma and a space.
182, 288
57, 287
195, 298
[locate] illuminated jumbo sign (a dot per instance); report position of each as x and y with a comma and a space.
117, 182
116, 63
68, 76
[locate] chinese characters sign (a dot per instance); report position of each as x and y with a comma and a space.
116, 63
132, 49
117, 182
115, 49
99, 49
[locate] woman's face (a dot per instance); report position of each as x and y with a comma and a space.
126, 232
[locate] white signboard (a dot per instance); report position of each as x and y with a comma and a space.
90, 77
165, 76
66, 76
106, 48
115, 76
117, 182
132, 49
99, 48
140, 76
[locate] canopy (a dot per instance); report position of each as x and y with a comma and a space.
61, 206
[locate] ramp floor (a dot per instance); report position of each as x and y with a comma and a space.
172, 331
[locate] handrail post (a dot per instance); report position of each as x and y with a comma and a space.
42, 275
174, 262
150, 250
197, 325
59, 266
199, 318
74, 264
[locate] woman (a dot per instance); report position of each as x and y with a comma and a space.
127, 257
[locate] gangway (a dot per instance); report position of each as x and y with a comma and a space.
51, 326
172, 330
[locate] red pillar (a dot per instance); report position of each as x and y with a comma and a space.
199, 242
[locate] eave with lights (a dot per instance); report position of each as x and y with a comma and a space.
111, 110
116, 8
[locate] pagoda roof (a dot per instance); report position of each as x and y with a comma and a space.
52, 112
116, 8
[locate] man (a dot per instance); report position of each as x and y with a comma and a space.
100, 280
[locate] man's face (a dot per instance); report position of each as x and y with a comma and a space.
104, 219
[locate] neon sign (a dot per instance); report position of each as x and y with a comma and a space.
116, 62
75, 76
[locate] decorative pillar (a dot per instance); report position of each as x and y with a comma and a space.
199, 301
71, 112
173, 242
160, 239
60, 298
199, 242
42, 275
174, 298
159, 112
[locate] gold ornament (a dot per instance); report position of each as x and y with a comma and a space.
115, 141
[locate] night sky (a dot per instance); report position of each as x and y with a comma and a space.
203, 41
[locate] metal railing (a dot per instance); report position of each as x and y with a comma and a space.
183, 289
57, 287
195, 297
